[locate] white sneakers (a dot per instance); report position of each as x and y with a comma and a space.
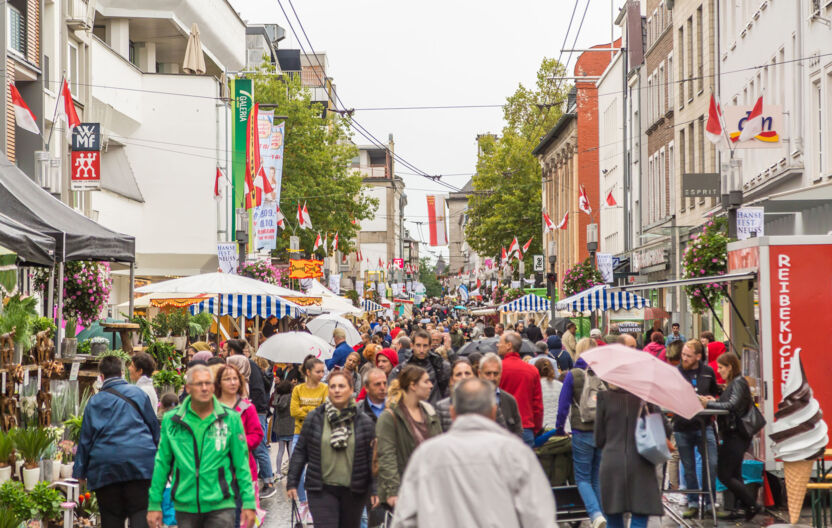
599, 522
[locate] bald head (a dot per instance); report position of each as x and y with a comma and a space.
627, 340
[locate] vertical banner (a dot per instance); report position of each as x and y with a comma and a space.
265, 226
242, 100
335, 283
436, 220
359, 287
750, 221
228, 257
604, 263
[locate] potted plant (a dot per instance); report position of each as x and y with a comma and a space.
47, 502
67, 448
168, 381
161, 327
6, 457
69, 344
178, 321
18, 314
98, 345
31, 443
200, 324
16, 503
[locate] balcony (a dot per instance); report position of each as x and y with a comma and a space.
80, 14
373, 172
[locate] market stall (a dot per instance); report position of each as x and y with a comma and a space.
529, 305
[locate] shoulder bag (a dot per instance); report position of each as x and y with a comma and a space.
651, 442
752, 422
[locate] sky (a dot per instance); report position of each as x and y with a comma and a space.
394, 53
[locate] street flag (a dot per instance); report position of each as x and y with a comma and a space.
513, 247
527, 244
317, 242
66, 110
300, 217
562, 224
24, 117
611, 200
504, 255
754, 122
583, 201
436, 220
713, 128
280, 219
254, 195
307, 220
266, 184
335, 243
380, 265
548, 222
217, 189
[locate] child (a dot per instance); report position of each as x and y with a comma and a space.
285, 424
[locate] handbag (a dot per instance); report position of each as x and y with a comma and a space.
295, 521
651, 442
752, 422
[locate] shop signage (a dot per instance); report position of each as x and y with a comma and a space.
87, 136
335, 283
305, 269
700, 184
737, 116
538, 262
265, 226
750, 222
85, 160
646, 258
604, 263
398, 263
242, 91
228, 255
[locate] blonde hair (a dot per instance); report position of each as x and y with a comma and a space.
442, 352
394, 392
584, 345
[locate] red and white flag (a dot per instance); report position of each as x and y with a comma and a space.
583, 201
66, 110
527, 244
217, 188
436, 220
24, 117
380, 265
754, 122
563, 223
265, 184
503, 255
335, 243
513, 247
611, 200
300, 217
714, 130
280, 219
548, 222
317, 242
307, 220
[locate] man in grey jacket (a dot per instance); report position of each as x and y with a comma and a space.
448, 475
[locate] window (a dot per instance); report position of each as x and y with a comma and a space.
17, 30
689, 70
818, 111
650, 119
661, 89
682, 67
692, 154
682, 161
73, 73
700, 44
671, 86
661, 185
670, 180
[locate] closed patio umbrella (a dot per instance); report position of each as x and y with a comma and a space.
194, 58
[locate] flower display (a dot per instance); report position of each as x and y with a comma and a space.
262, 270
706, 256
86, 289
581, 277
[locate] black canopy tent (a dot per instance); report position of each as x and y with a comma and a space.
75, 236
31, 247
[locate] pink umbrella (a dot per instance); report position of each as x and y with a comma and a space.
645, 376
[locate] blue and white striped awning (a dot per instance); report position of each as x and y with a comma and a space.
601, 298
371, 306
248, 306
527, 303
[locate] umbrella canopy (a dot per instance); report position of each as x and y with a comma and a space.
323, 326
31, 246
194, 58
293, 347
560, 324
528, 347
218, 284
483, 346
646, 376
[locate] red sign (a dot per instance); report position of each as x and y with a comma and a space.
85, 171
800, 317
745, 259
398, 263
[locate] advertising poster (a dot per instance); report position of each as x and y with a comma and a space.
242, 92
271, 151
265, 226
228, 257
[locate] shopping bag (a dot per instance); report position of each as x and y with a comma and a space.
295, 521
651, 441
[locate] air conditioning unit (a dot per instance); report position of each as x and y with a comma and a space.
80, 14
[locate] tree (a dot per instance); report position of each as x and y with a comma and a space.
427, 276
316, 166
506, 199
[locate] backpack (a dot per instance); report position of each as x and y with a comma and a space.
588, 402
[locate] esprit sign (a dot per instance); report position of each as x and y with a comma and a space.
737, 116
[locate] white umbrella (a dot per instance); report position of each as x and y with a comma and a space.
194, 58
293, 347
323, 326
218, 284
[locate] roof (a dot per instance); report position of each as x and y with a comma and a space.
30, 246
554, 133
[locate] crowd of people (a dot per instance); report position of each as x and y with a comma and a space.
405, 427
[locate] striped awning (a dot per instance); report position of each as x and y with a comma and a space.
601, 298
527, 303
371, 306
248, 306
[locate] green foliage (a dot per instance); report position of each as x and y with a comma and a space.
168, 378
178, 321
706, 256
72, 427
353, 296
165, 355
200, 324
31, 443
47, 501
44, 323
16, 502
145, 328
317, 156
6, 449
8, 519
18, 315
84, 347
506, 201
427, 276
581, 277
161, 324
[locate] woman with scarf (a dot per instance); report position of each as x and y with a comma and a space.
336, 446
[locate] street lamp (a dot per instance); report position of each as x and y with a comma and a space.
552, 281
241, 235
592, 240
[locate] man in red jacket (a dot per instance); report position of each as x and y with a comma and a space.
522, 381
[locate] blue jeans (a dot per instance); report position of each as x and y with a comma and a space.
617, 521
688, 442
262, 456
301, 488
528, 437
586, 459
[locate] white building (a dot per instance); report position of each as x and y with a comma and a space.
794, 42
611, 162
164, 131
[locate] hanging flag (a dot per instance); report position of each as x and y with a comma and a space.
547, 222
22, 115
307, 221
380, 265
504, 255
326, 243
611, 200
335, 243
66, 110
300, 217
264, 181
280, 219
754, 122
217, 189
436, 220
583, 201
513, 247
713, 129
317, 242
527, 244
562, 224
254, 196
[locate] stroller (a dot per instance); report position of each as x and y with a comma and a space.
555, 457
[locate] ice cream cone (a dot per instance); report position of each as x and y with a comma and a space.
797, 477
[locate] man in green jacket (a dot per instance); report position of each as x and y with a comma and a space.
202, 451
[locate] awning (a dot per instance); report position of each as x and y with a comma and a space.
527, 303
30, 246
247, 306
371, 306
76, 236
688, 282
118, 175
602, 298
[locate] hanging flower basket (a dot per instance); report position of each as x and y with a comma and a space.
263, 271
86, 289
706, 256
581, 277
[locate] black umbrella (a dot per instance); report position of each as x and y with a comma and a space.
483, 346
528, 347
560, 324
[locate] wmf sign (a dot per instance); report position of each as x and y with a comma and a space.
85, 171
86, 136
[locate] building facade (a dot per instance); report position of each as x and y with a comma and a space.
462, 258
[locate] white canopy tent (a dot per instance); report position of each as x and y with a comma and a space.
332, 303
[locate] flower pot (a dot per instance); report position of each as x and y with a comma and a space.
69, 347
179, 342
17, 465
18, 353
5, 473
97, 348
66, 470
30, 478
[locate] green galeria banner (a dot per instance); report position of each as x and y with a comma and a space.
241, 104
